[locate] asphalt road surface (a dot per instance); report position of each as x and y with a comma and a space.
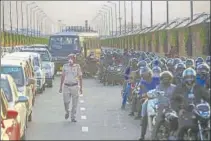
99, 116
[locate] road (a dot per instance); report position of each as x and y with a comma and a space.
99, 116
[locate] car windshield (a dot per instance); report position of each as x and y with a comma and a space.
58, 41
15, 72
7, 90
44, 54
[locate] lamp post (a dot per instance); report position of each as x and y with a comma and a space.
120, 25
27, 18
131, 16
3, 23
125, 16
151, 12
141, 9
115, 9
111, 13
11, 23
32, 18
17, 28
107, 19
38, 21
44, 16
105, 25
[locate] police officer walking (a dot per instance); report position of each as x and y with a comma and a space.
71, 85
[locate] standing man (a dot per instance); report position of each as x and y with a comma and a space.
71, 82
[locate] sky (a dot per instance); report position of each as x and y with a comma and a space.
76, 12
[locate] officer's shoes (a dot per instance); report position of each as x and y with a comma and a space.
141, 139
66, 116
73, 120
131, 114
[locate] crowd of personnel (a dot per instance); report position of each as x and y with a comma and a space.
181, 80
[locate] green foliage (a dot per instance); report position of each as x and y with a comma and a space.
203, 34
163, 36
173, 38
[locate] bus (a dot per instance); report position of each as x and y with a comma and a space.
66, 42
61, 45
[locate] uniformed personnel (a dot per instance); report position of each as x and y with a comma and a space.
71, 85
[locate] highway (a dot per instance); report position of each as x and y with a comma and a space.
99, 116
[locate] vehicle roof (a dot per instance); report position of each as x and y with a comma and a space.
34, 49
39, 45
10, 62
32, 53
20, 54
4, 76
65, 34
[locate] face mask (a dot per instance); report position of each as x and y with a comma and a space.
70, 61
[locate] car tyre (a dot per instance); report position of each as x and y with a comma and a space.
50, 84
33, 101
43, 87
30, 117
24, 134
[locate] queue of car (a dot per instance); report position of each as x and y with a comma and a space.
24, 74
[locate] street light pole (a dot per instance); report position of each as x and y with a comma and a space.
3, 23
22, 18
132, 16
167, 12
34, 20
141, 5
109, 19
151, 6
110, 13
104, 21
115, 9
120, 28
125, 16
38, 20
17, 30
191, 10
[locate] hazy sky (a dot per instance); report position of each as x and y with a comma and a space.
76, 12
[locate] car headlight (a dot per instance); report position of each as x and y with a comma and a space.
119, 69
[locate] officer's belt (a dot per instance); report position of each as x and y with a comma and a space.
70, 85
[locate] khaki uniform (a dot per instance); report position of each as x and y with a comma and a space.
72, 74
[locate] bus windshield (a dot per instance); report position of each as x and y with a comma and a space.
58, 42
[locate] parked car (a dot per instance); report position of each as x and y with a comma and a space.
10, 129
16, 101
47, 63
19, 71
27, 57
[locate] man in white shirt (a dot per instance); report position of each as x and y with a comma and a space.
71, 85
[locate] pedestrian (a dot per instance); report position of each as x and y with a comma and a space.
71, 85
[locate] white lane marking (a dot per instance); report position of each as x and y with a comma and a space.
83, 117
81, 101
82, 109
85, 129
81, 95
